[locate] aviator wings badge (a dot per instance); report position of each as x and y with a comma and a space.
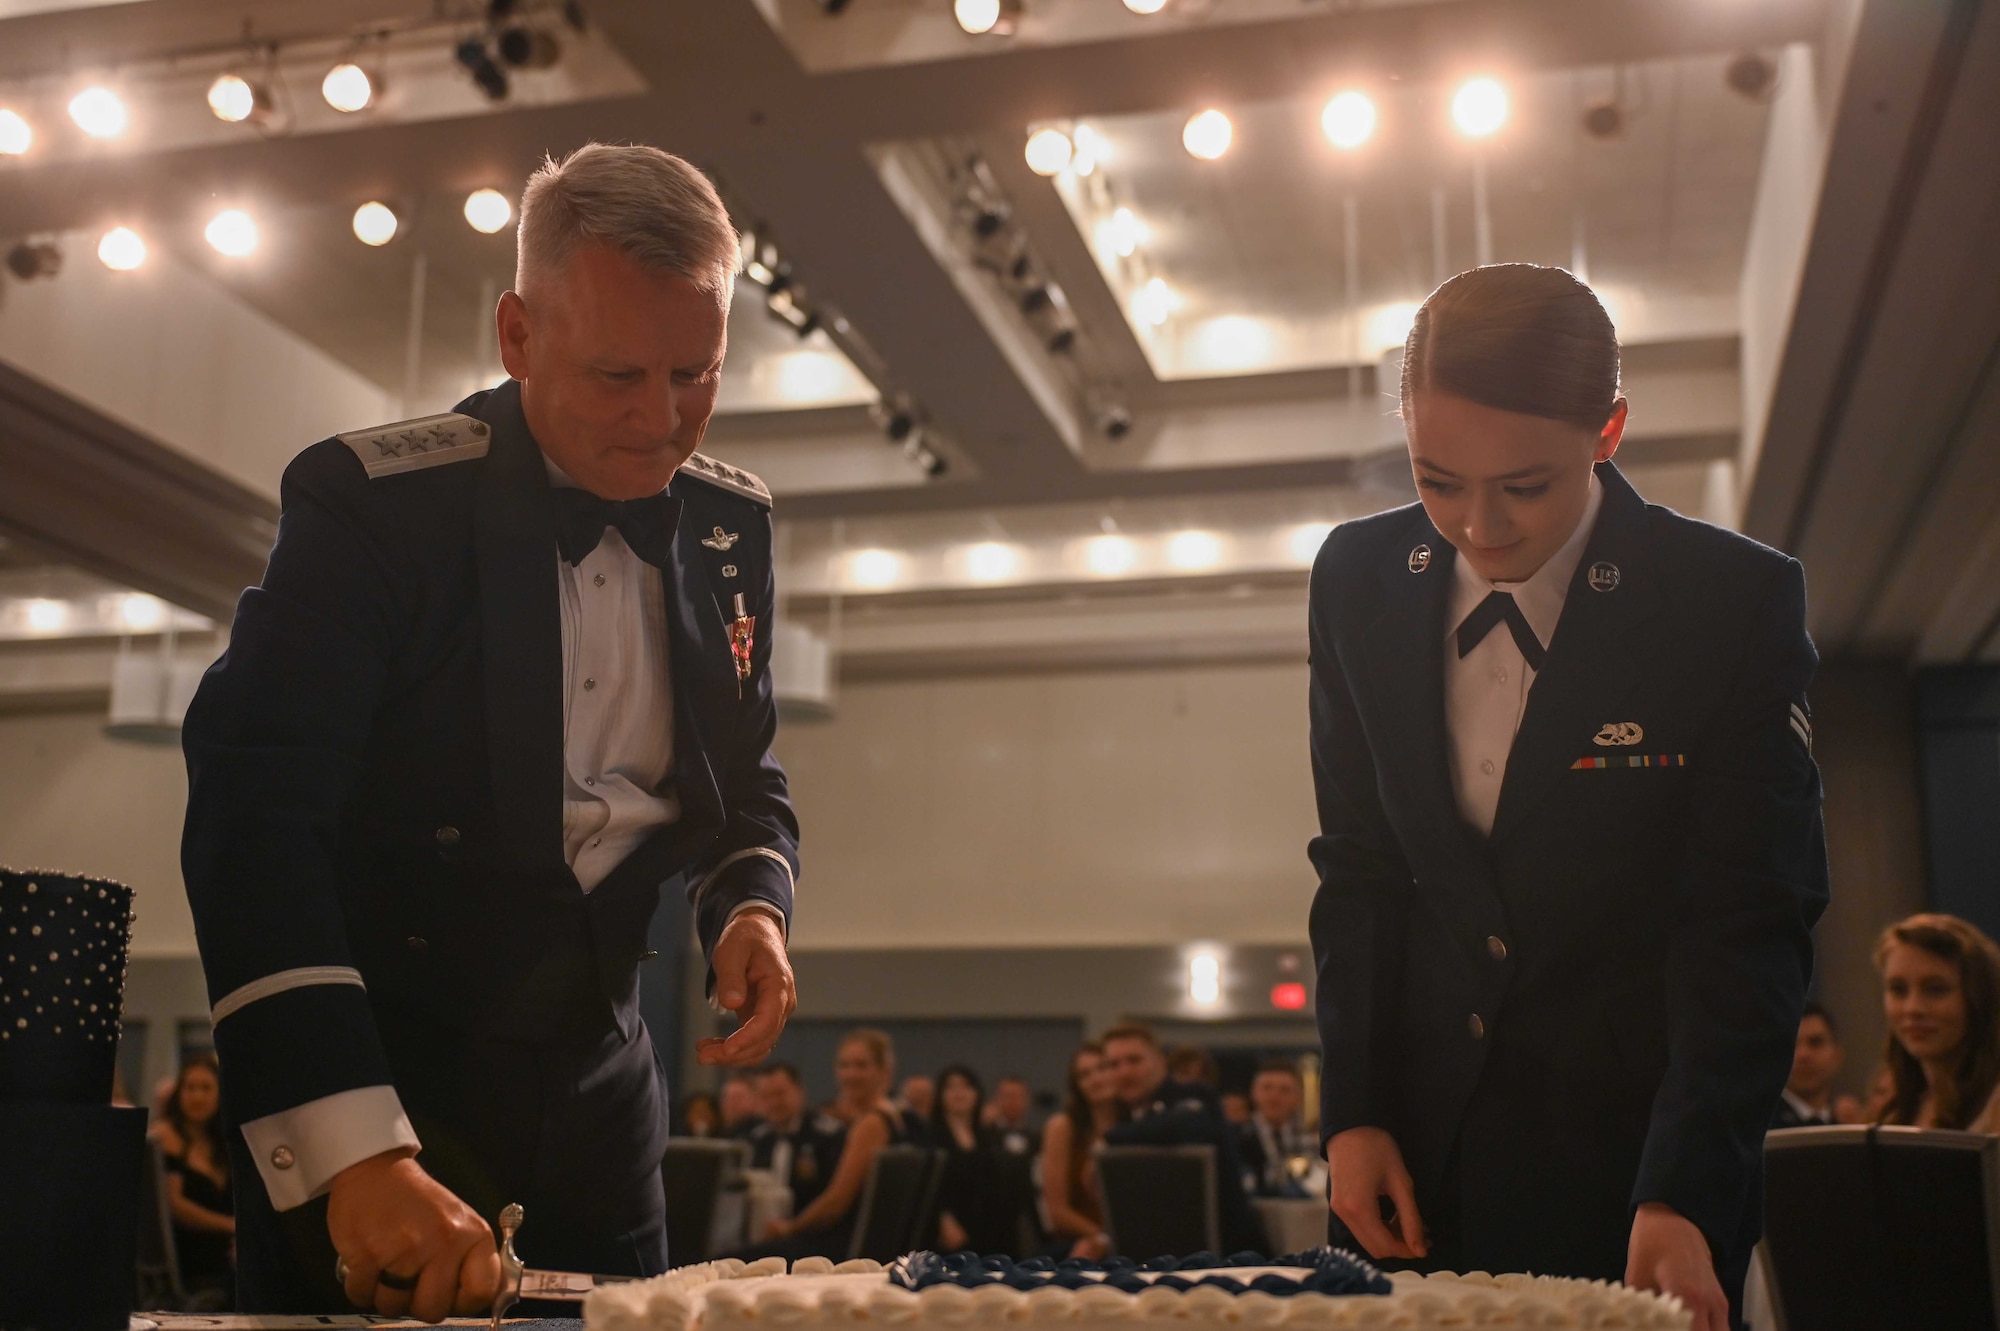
721, 540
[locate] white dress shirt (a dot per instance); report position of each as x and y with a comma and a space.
1486, 691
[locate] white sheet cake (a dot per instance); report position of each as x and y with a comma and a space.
731, 1295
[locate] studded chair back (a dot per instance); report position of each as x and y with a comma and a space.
1866, 1226
1159, 1200
892, 1203
698, 1173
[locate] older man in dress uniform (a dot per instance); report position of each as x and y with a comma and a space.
505, 681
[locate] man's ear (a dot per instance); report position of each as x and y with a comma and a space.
510, 322
1613, 432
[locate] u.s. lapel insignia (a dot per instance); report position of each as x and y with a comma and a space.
1604, 576
742, 639
1618, 734
722, 540
1420, 559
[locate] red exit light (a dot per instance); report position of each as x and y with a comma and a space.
1289, 996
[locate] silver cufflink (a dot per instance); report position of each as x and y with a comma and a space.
282, 1157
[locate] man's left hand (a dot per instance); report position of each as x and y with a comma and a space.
1669, 1255
753, 979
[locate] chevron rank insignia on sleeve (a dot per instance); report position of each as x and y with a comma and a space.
428, 441
1802, 726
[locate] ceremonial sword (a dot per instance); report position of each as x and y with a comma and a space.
520, 1281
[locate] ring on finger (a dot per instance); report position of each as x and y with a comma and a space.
390, 1280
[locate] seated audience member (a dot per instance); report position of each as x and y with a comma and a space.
188, 1134
974, 1201
1275, 1137
864, 1067
788, 1141
698, 1117
1236, 1107
1008, 1115
1069, 1182
917, 1100
1169, 1112
1807, 1101
1193, 1066
738, 1105
1881, 1090
1941, 995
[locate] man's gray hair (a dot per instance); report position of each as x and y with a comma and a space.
650, 205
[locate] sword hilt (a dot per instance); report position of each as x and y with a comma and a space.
511, 1265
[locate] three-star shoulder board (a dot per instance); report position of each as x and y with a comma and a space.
428, 441
725, 477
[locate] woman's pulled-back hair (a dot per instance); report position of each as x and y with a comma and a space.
1516, 337
1956, 1102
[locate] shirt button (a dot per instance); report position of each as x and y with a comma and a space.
1486, 766
282, 1158
447, 835
1475, 1027
595, 842
589, 684
1496, 949
1499, 676
417, 944
590, 781
598, 580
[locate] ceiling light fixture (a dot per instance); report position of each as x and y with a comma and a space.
479, 63
138, 611
99, 112
488, 210
16, 135
529, 48
348, 87
232, 232
1090, 150
375, 223
35, 258
991, 561
1193, 551
1479, 107
1109, 556
1049, 151
236, 99
1306, 540
874, 569
1348, 120
1127, 232
987, 18
1204, 979
1207, 134
1154, 304
121, 250
1146, 6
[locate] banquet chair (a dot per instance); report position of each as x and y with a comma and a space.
1871, 1227
902, 1182
1159, 1200
698, 1174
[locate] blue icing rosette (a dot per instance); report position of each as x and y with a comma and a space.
1326, 1271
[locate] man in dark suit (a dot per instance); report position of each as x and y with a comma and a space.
1165, 1112
1556, 1043
1274, 1137
1808, 1100
505, 681
797, 1146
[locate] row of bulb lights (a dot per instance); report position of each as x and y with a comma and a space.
1478, 108
1107, 556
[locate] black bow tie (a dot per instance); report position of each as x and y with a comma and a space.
1495, 608
647, 525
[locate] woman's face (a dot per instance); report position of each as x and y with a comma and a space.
1095, 1079
959, 1096
1506, 489
1924, 1002
199, 1095
859, 1075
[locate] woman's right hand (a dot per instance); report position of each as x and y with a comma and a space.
1364, 1165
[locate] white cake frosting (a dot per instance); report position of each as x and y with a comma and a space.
731, 1295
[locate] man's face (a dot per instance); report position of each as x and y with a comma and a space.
1276, 1095
1506, 489
779, 1098
1816, 1060
739, 1102
920, 1094
1010, 1100
1136, 1067
618, 368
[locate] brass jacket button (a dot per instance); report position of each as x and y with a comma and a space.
447, 835
1475, 1027
416, 944
1496, 949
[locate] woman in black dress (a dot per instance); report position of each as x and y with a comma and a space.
189, 1138
975, 1208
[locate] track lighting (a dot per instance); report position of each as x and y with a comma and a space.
16, 136
32, 259
376, 223
236, 99
987, 18
348, 87
488, 210
479, 63
528, 48
121, 250
99, 112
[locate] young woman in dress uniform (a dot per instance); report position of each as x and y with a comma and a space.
1570, 847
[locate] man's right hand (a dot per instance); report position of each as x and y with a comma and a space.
1364, 1165
387, 1217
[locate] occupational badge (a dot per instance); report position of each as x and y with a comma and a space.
742, 638
1618, 734
721, 540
